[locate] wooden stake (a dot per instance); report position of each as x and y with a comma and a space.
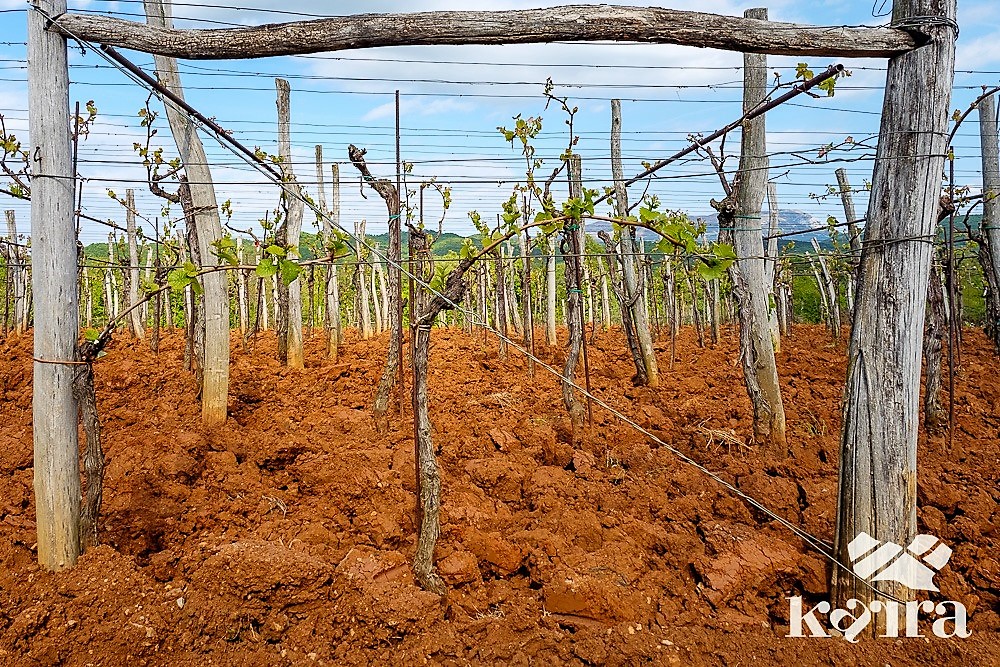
205, 214
53, 235
290, 231
830, 288
770, 263
760, 371
135, 316
989, 229
630, 258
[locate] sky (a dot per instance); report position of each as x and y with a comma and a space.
453, 98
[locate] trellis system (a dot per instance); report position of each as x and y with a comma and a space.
879, 439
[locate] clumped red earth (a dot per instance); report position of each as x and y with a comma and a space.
285, 537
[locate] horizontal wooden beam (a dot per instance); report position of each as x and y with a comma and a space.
572, 23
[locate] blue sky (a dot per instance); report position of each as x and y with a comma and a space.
453, 98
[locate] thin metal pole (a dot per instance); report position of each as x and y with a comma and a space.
157, 300
952, 305
397, 255
76, 154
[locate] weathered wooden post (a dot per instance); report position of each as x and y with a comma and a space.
830, 288
550, 291
851, 217
332, 280
771, 263
135, 316
364, 313
853, 235
524, 242
934, 332
630, 254
572, 242
53, 234
242, 297
215, 378
878, 448
824, 299
760, 371
17, 273
290, 337
989, 228
331, 301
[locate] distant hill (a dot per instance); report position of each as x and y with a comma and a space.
789, 221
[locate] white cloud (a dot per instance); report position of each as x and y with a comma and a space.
979, 52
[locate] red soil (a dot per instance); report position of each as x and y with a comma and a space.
285, 537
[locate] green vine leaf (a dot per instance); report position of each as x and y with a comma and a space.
289, 271
225, 249
266, 268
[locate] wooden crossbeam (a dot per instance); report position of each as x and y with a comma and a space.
573, 23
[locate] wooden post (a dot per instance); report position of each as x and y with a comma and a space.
378, 300
760, 371
934, 332
6, 251
716, 312
830, 288
331, 312
113, 261
205, 207
770, 263
263, 288
573, 234
631, 266
365, 315
823, 296
291, 230
524, 242
846, 198
878, 448
53, 235
510, 300
242, 298
500, 304
989, 228
89, 295
332, 280
154, 339
148, 277
854, 235
613, 246
605, 302
187, 299
17, 272
135, 316
109, 284
550, 292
